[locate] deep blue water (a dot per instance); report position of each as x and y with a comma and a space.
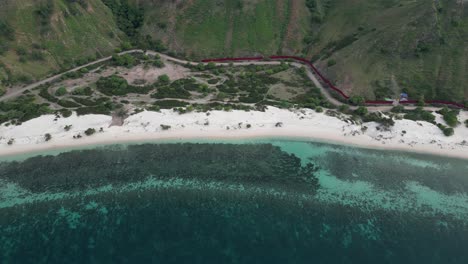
263, 201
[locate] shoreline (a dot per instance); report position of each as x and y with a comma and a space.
301, 125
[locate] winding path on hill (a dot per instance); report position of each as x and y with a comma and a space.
311, 72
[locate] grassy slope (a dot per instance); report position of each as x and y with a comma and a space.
228, 28
70, 38
385, 54
382, 62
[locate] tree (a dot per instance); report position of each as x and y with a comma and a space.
61, 91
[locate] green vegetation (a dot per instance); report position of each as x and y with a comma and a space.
448, 131
86, 91
420, 115
361, 111
61, 91
357, 100
230, 28
116, 85
90, 131
7, 34
38, 38
165, 127
450, 116
466, 123
47, 137
129, 18
125, 60
22, 109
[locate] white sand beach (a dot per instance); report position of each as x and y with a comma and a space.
406, 135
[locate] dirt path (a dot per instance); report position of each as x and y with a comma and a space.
11, 93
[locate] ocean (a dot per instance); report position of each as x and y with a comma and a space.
244, 201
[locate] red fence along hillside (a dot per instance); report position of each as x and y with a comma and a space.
326, 81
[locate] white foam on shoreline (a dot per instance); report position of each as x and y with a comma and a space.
146, 126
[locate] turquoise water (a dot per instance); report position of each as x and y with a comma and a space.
249, 201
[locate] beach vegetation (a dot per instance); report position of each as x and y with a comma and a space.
448, 131
68, 127
165, 127
361, 111
65, 112
47, 137
466, 123
450, 116
398, 109
344, 108
90, 131
419, 114
22, 109
11, 141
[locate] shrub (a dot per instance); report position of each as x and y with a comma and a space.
319, 109
466, 123
420, 114
357, 100
125, 60
67, 103
398, 109
11, 141
164, 79
47, 137
448, 131
65, 112
165, 127
343, 108
61, 91
87, 91
361, 111
67, 127
158, 63
450, 116
331, 62
90, 131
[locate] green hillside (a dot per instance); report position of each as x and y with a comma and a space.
51, 35
373, 48
228, 28
379, 48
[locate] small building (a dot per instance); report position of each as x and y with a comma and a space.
403, 97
